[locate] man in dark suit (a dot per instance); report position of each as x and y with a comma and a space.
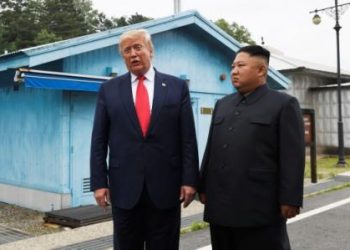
253, 166
144, 121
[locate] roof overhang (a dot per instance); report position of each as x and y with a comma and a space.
59, 81
318, 73
330, 87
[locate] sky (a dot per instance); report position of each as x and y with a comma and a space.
285, 25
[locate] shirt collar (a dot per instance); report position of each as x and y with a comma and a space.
149, 75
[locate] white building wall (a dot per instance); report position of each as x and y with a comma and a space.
325, 104
326, 111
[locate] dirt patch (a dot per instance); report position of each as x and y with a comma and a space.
26, 220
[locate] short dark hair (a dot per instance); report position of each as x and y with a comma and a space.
256, 50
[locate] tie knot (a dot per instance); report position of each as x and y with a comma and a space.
141, 78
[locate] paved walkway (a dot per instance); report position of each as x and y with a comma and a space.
99, 236
9, 235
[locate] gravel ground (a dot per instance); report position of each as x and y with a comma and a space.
25, 220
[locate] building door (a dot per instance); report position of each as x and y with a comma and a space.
81, 120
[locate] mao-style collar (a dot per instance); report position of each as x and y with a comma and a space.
256, 94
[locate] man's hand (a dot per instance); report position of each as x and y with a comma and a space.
202, 198
102, 197
288, 211
187, 195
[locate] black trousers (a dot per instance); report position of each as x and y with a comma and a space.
268, 237
146, 227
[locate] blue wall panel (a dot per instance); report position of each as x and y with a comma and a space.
32, 138
203, 120
178, 52
82, 115
96, 62
182, 52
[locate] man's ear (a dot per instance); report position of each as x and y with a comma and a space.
262, 70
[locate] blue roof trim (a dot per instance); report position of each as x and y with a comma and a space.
34, 80
6, 62
280, 78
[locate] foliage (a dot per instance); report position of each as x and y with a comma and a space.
195, 226
124, 21
26, 23
238, 32
45, 36
121, 21
65, 18
19, 24
325, 167
137, 18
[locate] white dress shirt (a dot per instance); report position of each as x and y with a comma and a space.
148, 82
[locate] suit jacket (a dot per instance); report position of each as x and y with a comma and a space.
254, 159
162, 161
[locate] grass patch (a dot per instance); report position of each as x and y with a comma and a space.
326, 167
195, 226
331, 189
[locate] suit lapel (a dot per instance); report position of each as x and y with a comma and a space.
126, 96
160, 93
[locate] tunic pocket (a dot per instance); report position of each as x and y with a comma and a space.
261, 120
262, 175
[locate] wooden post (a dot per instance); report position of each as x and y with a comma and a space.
310, 140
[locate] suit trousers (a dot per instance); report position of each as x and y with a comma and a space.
273, 237
146, 227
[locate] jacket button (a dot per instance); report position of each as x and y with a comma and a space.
237, 113
225, 146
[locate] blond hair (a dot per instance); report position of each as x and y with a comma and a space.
135, 33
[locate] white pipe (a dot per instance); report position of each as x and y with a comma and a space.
177, 6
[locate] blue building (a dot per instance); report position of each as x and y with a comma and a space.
46, 120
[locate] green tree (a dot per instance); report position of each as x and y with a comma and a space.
45, 36
120, 21
65, 18
19, 24
100, 22
124, 21
26, 23
238, 32
96, 21
138, 18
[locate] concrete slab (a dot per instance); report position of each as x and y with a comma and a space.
344, 177
62, 239
10, 235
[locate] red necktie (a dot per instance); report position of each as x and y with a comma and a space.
142, 105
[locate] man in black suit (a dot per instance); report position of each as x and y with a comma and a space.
253, 166
144, 120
